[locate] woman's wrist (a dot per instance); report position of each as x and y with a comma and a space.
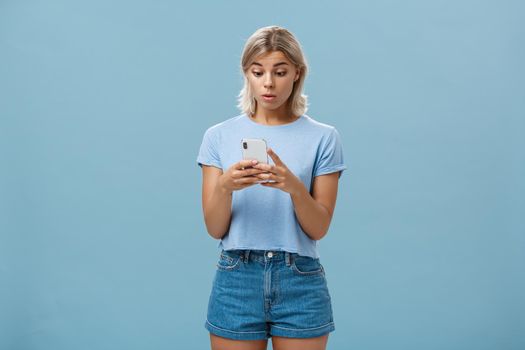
223, 190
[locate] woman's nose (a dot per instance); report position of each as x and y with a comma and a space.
268, 82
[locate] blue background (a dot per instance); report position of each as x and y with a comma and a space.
103, 105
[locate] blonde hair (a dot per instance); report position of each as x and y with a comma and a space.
266, 40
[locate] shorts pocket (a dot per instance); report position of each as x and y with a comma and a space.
228, 260
305, 265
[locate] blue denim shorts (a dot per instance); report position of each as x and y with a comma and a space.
257, 294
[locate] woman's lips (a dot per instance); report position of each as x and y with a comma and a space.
268, 97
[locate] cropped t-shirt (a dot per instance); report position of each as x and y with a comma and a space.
263, 218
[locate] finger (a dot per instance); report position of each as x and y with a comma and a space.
246, 180
247, 172
270, 184
275, 157
266, 167
253, 171
266, 176
245, 163
270, 176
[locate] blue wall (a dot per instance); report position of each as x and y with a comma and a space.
103, 105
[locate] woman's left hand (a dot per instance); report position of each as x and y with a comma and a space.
284, 179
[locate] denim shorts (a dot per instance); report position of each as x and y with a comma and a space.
257, 294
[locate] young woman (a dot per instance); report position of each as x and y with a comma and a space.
269, 280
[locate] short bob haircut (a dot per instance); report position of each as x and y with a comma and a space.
266, 40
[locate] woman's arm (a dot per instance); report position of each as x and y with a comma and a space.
217, 189
216, 202
314, 212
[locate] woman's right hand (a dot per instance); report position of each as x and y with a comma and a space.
238, 177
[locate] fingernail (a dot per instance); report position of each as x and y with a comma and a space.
254, 161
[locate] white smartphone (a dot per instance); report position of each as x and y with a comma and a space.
254, 149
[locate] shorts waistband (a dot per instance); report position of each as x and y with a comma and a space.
262, 255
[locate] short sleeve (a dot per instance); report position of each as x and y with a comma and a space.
208, 152
330, 155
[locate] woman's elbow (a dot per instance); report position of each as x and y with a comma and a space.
216, 235
215, 231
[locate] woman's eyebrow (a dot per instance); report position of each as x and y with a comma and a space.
275, 65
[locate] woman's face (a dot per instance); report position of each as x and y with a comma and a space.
272, 74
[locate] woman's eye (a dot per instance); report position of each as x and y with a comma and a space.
258, 74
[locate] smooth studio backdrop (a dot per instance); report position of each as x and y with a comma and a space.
103, 105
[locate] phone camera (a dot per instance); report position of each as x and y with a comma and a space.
245, 145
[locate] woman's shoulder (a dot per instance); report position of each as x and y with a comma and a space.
225, 124
318, 126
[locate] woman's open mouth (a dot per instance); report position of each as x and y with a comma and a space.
268, 98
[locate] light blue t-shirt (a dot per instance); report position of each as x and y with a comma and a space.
263, 217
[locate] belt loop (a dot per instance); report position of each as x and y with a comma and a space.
246, 256
287, 258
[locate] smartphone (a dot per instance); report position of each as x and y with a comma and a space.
254, 149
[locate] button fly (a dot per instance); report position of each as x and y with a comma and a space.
270, 254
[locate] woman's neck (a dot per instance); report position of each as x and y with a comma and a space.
275, 117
